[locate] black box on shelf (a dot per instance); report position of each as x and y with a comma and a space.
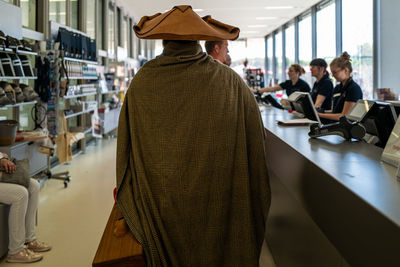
26, 66
77, 45
7, 65
64, 37
1, 69
85, 47
92, 50
17, 65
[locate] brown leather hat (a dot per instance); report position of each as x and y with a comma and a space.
182, 23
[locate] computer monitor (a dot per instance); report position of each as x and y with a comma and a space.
303, 104
359, 110
269, 99
396, 105
377, 117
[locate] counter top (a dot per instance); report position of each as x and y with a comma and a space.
343, 186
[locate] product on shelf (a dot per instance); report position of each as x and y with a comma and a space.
29, 94
8, 90
255, 78
3, 98
13, 43
19, 96
76, 45
26, 66
27, 46
2, 40
6, 62
1, 69
17, 65
88, 88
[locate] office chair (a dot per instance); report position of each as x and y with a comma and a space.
49, 151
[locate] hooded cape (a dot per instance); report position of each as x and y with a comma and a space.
192, 180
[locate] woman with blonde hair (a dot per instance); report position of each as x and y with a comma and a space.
292, 85
347, 92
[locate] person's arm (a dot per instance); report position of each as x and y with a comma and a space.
335, 116
320, 99
6, 164
269, 89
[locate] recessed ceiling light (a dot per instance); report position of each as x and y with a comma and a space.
265, 18
257, 26
279, 7
247, 32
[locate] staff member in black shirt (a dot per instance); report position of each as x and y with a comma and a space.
292, 85
345, 94
322, 90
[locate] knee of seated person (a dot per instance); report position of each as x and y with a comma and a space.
34, 185
21, 194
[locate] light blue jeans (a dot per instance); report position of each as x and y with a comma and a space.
22, 217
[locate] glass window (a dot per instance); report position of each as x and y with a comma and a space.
111, 32
289, 48
91, 18
326, 32
28, 10
358, 41
100, 24
158, 49
57, 11
278, 55
132, 38
252, 50
74, 14
305, 47
270, 60
124, 33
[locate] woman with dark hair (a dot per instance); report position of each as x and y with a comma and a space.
347, 92
292, 85
322, 90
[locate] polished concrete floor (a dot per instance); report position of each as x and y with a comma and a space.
73, 219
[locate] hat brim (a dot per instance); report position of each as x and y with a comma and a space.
182, 23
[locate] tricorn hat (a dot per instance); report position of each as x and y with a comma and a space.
182, 23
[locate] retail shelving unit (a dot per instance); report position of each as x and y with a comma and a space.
20, 150
84, 113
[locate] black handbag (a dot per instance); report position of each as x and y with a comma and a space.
20, 176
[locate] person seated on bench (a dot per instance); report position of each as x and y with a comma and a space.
23, 246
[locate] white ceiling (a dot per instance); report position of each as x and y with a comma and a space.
251, 16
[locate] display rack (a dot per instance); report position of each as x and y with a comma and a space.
18, 77
79, 113
20, 150
79, 95
82, 78
18, 51
17, 105
81, 60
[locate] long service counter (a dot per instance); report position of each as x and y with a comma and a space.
334, 203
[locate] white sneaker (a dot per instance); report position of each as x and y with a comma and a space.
24, 256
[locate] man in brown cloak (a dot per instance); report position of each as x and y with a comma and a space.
192, 180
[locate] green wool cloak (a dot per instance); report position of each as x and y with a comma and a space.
192, 177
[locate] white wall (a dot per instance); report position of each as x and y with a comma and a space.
389, 45
10, 20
